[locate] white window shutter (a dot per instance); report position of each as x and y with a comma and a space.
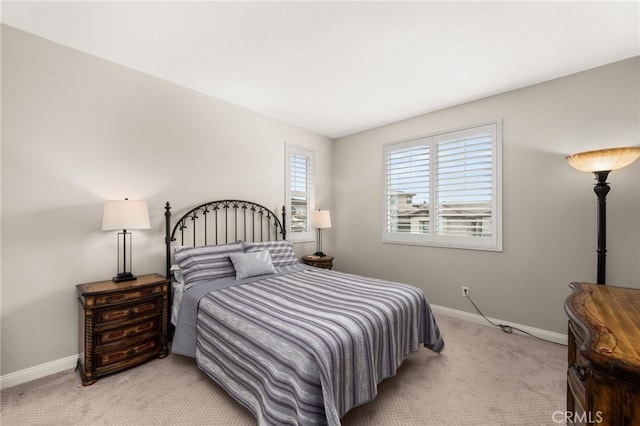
444, 189
299, 192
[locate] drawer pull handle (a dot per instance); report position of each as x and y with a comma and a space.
132, 312
131, 353
131, 333
581, 372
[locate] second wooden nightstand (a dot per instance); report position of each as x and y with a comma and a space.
325, 262
121, 324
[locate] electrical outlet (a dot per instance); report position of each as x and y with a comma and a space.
465, 291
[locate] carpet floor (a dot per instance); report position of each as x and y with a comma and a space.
483, 377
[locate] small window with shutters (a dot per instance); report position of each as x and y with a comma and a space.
445, 189
299, 192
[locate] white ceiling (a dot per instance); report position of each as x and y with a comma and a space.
337, 68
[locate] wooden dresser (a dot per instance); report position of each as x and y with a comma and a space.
603, 378
121, 324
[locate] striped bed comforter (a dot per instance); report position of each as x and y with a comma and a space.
306, 347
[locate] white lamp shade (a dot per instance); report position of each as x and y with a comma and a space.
604, 159
125, 214
320, 219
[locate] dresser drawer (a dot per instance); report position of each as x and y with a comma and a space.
120, 357
576, 343
127, 312
577, 388
150, 325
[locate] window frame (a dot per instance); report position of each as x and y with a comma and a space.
290, 150
432, 239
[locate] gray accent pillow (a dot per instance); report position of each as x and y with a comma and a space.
206, 262
252, 264
281, 251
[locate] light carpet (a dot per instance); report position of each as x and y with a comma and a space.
483, 377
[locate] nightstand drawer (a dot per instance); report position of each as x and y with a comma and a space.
151, 325
118, 357
117, 361
125, 296
127, 312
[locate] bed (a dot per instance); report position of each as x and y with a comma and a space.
295, 345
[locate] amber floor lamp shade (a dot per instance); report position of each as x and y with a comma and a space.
320, 219
601, 162
124, 215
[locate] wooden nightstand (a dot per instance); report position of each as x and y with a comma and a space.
325, 262
121, 324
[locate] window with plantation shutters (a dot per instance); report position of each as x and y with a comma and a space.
444, 189
408, 188
299, 193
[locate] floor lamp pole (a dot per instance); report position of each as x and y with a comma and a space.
601, 189
600, 162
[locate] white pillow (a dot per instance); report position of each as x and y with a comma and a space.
177, 274
252, 264
206, 262
281, 251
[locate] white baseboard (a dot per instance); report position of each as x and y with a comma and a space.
478, 319
37, 372
42, 370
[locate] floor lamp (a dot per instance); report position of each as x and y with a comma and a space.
601, 162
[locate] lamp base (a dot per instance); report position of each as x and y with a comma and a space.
124, 276
319, 253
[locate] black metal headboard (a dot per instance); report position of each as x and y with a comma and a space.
221, 222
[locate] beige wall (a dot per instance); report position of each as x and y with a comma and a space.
549, 209
78, 130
